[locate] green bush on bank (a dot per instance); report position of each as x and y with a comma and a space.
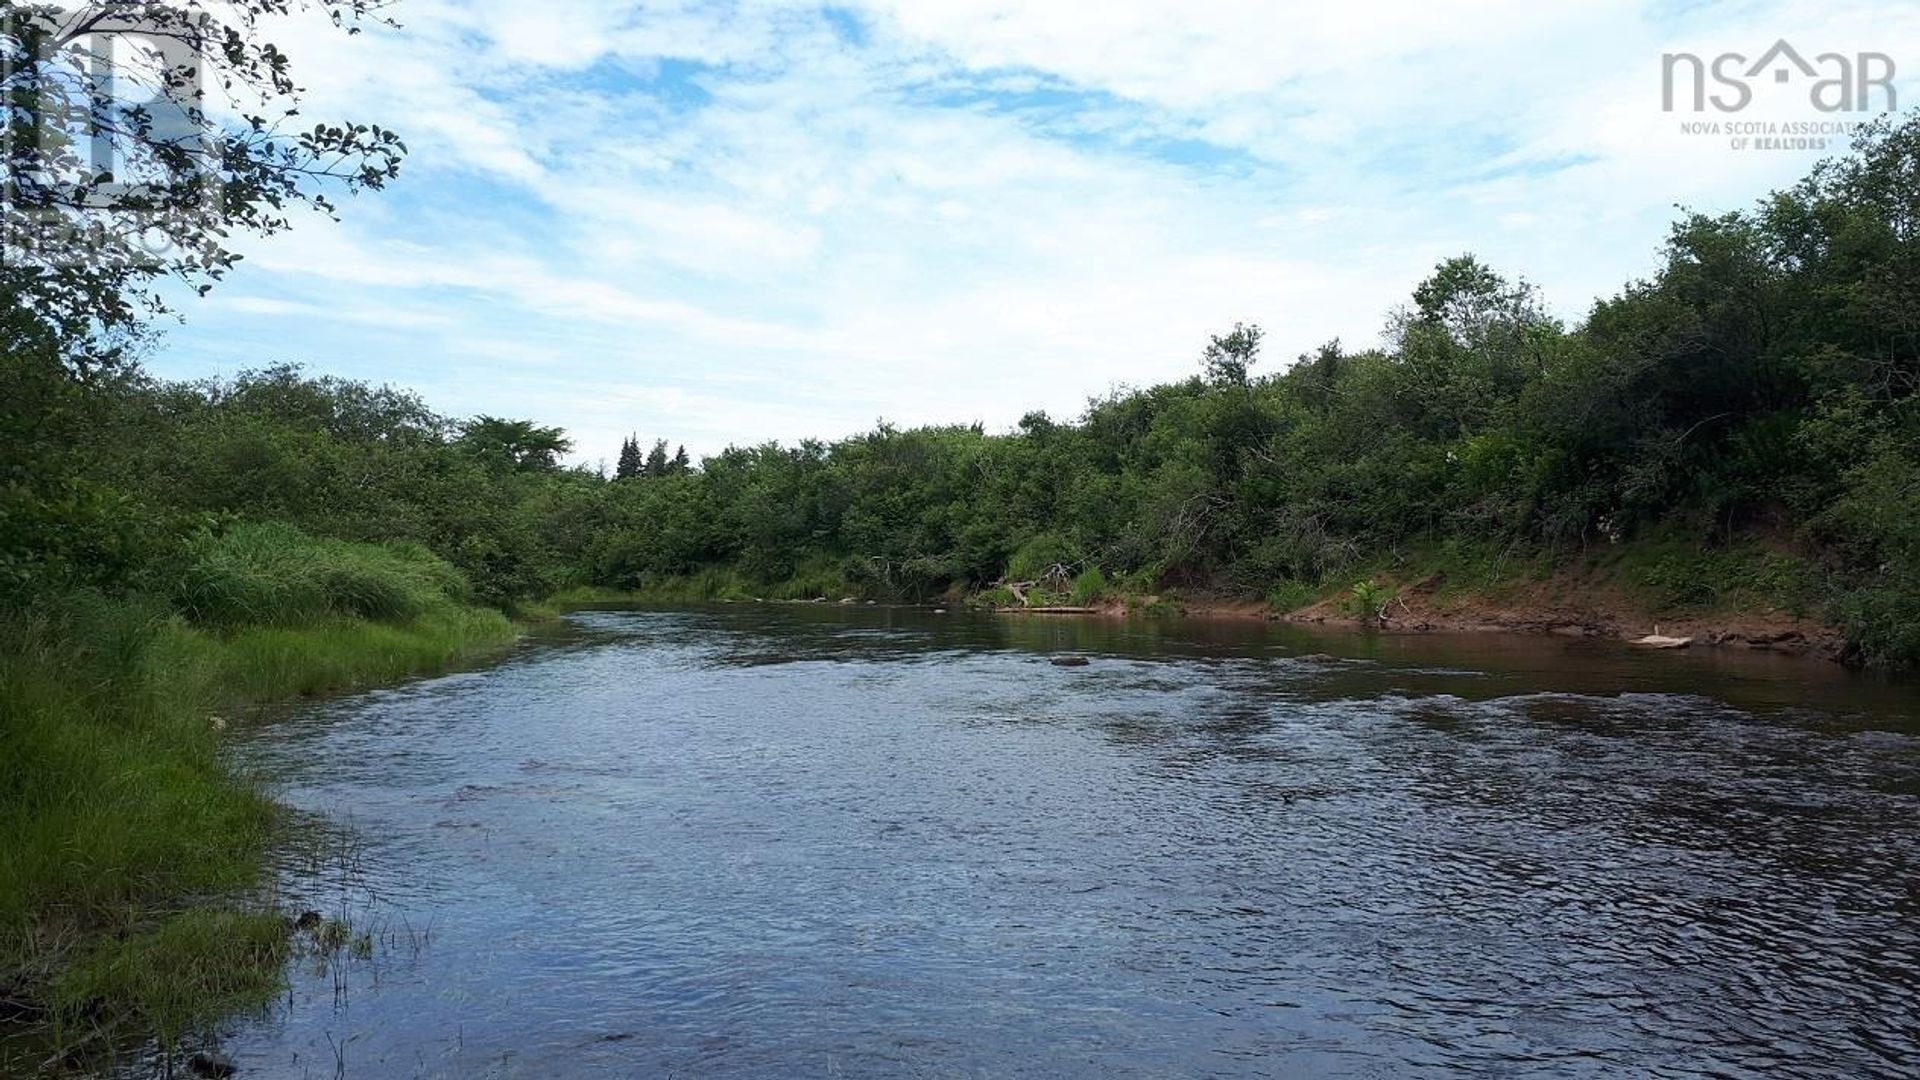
1090, 587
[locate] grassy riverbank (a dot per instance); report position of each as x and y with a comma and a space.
131, 854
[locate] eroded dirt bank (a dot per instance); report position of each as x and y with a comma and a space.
1565, 606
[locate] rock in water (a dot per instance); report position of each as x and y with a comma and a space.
208, 1063
1071, 661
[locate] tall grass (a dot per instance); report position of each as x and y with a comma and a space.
278, 575
119, 819
114, 792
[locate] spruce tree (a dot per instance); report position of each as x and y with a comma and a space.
657, 459
631, 463
680, 462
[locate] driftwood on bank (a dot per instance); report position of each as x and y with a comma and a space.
1058, 577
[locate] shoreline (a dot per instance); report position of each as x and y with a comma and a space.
1560, 607
1587, 617
1782, 635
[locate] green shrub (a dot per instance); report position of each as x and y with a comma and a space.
1090, 587
1883, 621
1368, 600
815, 576
279, 575
998, 596
1678, 577
1040, 554
1157, 606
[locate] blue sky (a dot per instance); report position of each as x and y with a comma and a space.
722, 223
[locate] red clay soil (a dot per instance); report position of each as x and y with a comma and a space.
1566, 605
1570, 607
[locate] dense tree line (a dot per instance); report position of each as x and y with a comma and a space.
1760, 383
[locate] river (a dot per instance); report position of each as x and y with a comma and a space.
816, 841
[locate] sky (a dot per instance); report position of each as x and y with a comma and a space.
724, 223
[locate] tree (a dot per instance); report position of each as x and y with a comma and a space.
97, 181
514, 445
1229, 357
657, 459
1472, 342
681, 463
632, 462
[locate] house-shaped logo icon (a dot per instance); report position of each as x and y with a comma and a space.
1778, 58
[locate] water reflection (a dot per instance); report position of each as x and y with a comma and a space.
815, 841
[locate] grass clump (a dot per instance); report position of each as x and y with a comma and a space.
279, 575
1290, 595
1090, 587
267, 662
192, 968
114, 793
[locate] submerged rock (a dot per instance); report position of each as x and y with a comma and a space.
208, 1063
1071, 661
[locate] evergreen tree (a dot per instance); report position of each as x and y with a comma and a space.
631, 463
680, 462
657, 459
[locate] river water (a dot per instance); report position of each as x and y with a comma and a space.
802, 841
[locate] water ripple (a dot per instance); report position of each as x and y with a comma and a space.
875, 844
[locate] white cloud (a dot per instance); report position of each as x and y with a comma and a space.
724, 222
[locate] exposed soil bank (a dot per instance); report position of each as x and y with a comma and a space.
1564, 606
